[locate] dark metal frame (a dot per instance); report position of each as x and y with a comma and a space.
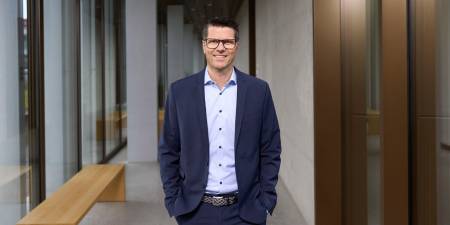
252, 36
411, 109
78, 85
36, 96
102, 22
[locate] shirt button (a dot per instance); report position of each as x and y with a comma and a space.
220, 164
220, 146
220, 111
220, 182
220, 128
220, 93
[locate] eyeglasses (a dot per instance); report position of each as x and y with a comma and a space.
214, 43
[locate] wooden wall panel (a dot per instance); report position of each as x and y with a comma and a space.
394, 112
327, 108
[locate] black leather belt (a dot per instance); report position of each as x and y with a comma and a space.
220, 200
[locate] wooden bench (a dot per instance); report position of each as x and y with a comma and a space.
112, 124
68, 205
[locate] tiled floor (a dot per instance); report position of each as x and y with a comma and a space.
145, 206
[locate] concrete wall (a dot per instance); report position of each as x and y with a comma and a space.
141, 79
284, 57
242, 61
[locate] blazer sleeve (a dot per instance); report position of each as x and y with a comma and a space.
169, 153
270, 150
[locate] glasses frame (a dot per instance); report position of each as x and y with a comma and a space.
205, 42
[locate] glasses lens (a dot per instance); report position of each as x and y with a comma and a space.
229, 44
214, 43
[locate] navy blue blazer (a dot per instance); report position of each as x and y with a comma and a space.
184, 147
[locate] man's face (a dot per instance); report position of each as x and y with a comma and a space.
221, 57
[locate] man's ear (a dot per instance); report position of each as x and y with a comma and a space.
204, 50
203, 46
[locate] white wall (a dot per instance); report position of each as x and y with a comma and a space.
284, 57
242, 61
141, 67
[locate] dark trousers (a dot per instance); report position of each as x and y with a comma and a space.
207, 214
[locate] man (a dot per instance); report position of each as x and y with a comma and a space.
220, 145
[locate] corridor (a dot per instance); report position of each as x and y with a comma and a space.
145, 205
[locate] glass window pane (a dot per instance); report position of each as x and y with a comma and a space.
60, 59
361, 77
15, 168
91, 82
443, 111
113, 117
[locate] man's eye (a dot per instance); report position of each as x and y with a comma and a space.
213, 41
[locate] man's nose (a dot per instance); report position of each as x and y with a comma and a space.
221, 46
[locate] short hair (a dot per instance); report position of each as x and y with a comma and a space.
221, 22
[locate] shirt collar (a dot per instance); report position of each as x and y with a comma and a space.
209, 81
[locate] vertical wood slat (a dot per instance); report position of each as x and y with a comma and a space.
327, 116
424, 190
394, 112
354, 42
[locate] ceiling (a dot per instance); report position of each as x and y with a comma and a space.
198, 12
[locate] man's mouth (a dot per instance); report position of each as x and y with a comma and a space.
220, 56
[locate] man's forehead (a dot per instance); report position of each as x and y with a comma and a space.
220, 31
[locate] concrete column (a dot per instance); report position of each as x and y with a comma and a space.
175, 25
242, 61
188, 48
198, 58
141, 50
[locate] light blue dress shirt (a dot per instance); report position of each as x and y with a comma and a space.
221, 117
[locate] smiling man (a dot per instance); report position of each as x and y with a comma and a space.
220, 144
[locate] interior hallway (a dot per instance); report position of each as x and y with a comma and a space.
145, 205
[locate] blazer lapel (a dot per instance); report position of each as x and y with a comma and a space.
201, 108
240, 104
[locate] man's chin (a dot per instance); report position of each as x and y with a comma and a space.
221, 67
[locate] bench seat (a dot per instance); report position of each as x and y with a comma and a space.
69, 204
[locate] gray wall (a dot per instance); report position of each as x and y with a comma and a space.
141, 79
175, 42
242, 61
284, 58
